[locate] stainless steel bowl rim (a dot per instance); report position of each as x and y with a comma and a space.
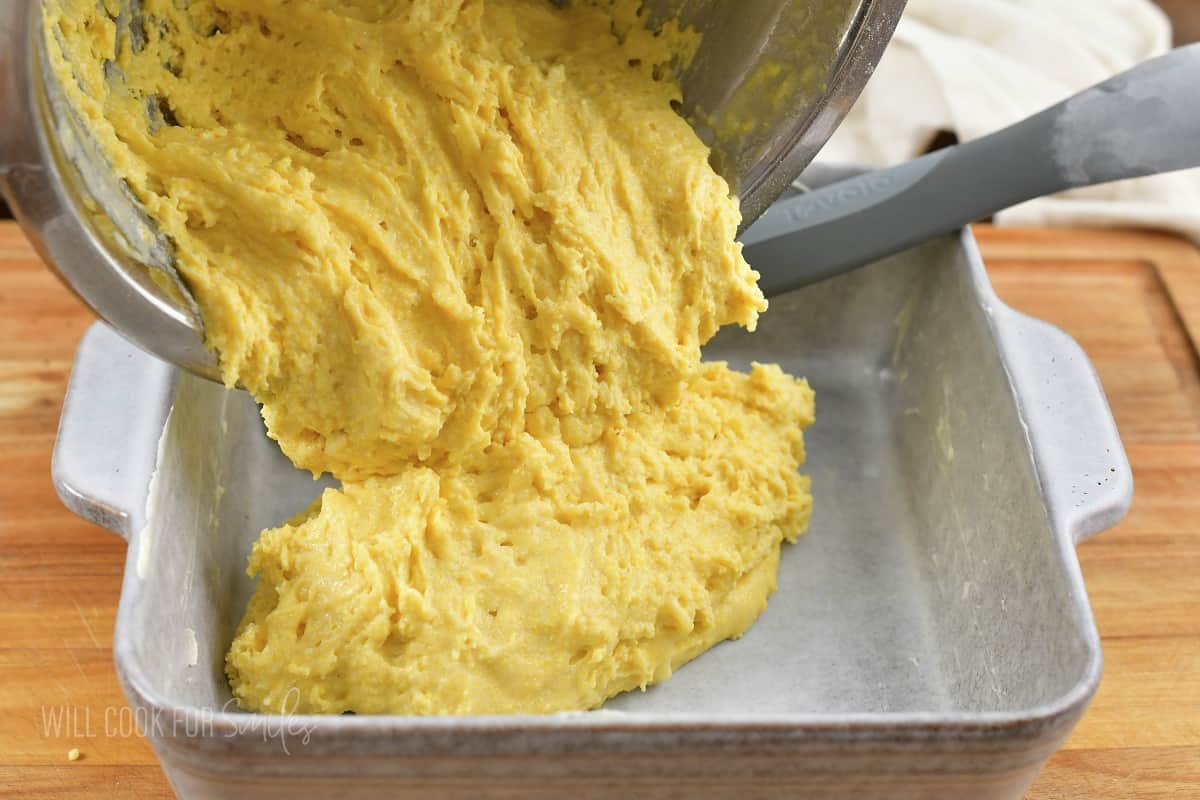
52, 207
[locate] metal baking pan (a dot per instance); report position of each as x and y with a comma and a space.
930, 637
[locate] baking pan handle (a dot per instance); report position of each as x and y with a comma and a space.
1081, 462
116, 405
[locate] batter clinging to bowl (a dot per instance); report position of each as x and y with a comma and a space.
465, 255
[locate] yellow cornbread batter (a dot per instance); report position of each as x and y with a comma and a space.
465, 255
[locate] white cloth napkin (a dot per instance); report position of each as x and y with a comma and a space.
974, 66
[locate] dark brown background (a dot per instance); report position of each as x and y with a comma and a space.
1186, 16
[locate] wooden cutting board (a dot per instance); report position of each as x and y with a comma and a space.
1131, 299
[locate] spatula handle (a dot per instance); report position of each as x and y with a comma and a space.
1142, 122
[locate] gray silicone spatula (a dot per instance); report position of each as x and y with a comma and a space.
1142, 122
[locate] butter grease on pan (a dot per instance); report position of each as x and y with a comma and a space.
465, 255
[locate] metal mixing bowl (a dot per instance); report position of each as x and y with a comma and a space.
771, 81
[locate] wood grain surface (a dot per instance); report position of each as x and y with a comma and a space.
1185, 19
1131, 299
